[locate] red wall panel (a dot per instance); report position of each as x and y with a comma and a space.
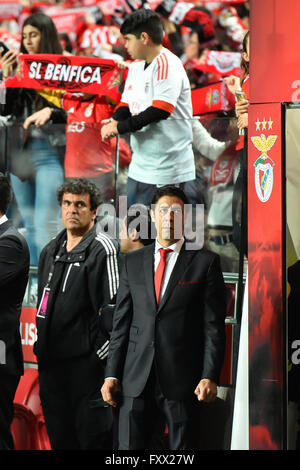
274, 51
266, 276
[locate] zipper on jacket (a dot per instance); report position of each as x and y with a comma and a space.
66, 278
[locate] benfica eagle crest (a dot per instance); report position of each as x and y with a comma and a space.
264, 166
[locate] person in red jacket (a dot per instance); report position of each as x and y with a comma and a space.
86, 154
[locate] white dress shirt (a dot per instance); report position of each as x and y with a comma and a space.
3, 219
171, 259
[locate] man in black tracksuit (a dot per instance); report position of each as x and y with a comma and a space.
77, 275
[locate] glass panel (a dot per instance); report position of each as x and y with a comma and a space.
293, 272
38, 162
37, 167
219, 186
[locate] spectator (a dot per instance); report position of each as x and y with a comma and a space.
65, 43
223, 176
242, 106
210, 148
77, 275
155, 353
36, 165
156, 108
236, 84
239, 207
14, 268
86, 154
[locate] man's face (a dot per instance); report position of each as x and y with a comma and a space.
77, 215
168, 217
134, 46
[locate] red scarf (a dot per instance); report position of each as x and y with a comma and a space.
71, 73
212, 98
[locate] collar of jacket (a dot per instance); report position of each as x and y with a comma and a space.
78, 253
5, 226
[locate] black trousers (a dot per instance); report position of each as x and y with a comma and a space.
75, 414
143, 419
8, 387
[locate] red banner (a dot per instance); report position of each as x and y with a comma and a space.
234, 27
212, 98
278, 79
70, 73
12, 41
66, 21
95, 36
220, 62
10, 10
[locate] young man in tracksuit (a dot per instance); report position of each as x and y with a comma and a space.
77, 275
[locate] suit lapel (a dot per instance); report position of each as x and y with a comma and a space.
183, 260
149, 272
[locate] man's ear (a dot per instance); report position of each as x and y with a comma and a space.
133, 235
94, 214
145, 38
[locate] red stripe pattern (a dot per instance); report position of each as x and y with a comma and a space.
163, 67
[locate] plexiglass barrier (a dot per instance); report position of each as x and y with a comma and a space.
38, 163
38, 160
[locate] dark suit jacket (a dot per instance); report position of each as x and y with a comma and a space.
14, 268
185, 335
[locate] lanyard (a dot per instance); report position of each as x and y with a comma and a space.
57, 257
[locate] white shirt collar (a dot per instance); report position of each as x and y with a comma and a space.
3, 219
175, 247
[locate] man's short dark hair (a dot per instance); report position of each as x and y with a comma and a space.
170, 190
139, 218
144, 20
80, 186
6, 193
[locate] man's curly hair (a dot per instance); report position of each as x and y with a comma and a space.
80, 186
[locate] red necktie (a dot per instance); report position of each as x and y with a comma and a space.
159, 273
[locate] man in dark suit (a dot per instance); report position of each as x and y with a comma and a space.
168, 338
14, 268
